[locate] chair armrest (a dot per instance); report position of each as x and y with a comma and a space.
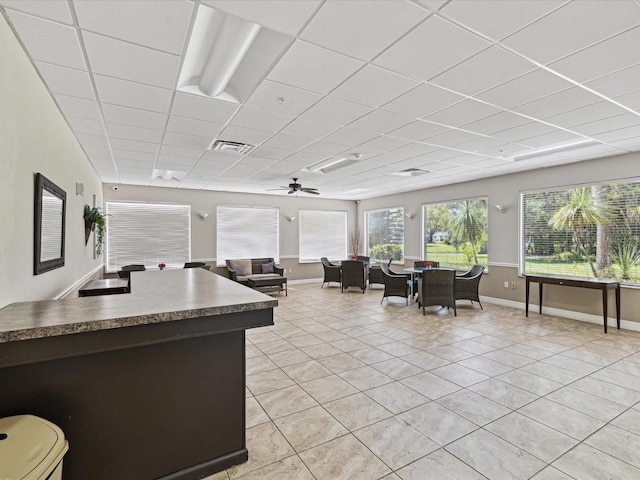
279, 270
232, 274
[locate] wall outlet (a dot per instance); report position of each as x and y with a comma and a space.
289, 270
513, 284
506, 284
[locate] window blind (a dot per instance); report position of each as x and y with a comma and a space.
247, 232
322, 234
147, 233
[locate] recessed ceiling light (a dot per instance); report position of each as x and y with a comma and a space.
410, 172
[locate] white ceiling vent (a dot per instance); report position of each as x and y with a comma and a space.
410, 172
231, 147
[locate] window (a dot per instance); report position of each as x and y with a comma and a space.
585, 231
247, 232
385, 234
455, 234
147, 233
322, 234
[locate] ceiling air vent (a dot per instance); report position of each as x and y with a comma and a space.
410, 172
231, 147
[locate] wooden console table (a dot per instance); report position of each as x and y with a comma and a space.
581, 282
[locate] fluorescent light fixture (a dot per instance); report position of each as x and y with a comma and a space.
564, 147
330, 164
410, 172
231, 147
228, 56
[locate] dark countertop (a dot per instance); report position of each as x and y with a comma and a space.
156, 296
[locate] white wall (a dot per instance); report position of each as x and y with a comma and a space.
35, 138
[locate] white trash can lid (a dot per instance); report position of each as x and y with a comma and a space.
30, 447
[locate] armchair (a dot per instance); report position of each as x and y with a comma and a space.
395, 285
436, 288
332, 273
466, 285
353, 275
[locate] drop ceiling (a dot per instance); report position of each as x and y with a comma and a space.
457, 89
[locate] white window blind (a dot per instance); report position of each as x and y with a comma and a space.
322, 234
385, 234
147, 233
51, 233
247, 232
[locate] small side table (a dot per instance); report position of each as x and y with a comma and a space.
263, 282
107, 286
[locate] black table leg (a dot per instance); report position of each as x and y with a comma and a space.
605, 298
618, 305
526, 302
540, 302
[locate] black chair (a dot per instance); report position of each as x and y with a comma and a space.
395, 285
332, 273
196, 265
466, 285
353, 275
375, 276
125, 272
436, 288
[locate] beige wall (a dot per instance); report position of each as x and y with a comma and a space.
504, 227
35, 138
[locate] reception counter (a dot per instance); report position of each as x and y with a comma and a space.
145, 385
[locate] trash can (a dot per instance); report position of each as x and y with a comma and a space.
31, 448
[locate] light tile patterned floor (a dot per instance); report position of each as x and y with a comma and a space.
343, 388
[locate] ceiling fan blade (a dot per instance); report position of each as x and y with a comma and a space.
313, 191
291, 191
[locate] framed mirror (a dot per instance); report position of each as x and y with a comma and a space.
48, 225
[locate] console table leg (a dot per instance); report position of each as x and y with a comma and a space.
618, 306
526, 302
540, 301
604, 307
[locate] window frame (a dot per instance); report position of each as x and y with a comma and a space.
344, 238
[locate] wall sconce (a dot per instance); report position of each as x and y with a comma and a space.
410, 216
80, 189
290, 219
502, 208
203, 215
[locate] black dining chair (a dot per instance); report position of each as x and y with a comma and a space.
395, 285
353, 275
436, 288
466, 285
332, 273
196, 265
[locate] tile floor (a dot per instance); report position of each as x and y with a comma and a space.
343, 388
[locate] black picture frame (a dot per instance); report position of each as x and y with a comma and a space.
46, 189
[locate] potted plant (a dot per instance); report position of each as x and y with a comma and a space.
93, 217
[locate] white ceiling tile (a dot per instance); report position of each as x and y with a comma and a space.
305, 159
48, 41
452, 138
418, 130
422, 100
56, 11
349, 136
618, 83
130, 94
481, 15
481, 144
311, 129
604, 58
323, 148
271, 152
573, 27
524, 89
260, 119
243, 135
87, 139
384, 143
590, 113
550, 139
190, 126
607, 124
437, 44
97, 152
134, 133
415, 149
124, 156
295, 101
66, 81
373, 86
187, 141
380, 121
313, 68
133, 116
462, 113
169, 162
78, 107
286, 16
496, 123
560, 102
287, 142
527, 130
174, 151
334, 110
134, 146
466, 159
116, 58
362, 29
202, 108
433, 5
483, 71
632, 132
158, 24
83, 125
630, 100
504, 150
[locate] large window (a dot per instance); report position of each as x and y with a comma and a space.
322, 234
385, 234
583, 231
147, 233
247, 232
455, 233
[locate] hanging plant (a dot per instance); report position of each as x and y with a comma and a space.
94, 220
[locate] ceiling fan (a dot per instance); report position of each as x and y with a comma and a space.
296, 187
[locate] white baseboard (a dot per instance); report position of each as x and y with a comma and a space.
558, 312
79, 283
304, 280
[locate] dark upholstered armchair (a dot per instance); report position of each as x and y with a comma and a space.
375, 275
466, 285
436, 288
353, 275
196, 265
395, 285
332, 273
